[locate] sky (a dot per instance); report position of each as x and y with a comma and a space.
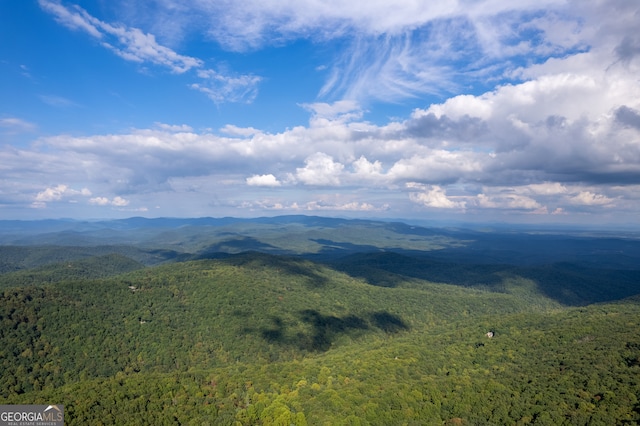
459, 110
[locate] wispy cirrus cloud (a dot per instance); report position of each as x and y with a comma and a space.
394, 51
58, 101
385, 51
129, 43
135, 45
75, 19
16, 125
227, 88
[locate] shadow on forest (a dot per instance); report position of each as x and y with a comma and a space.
331, 249
570, 284
389, 269
281, 265
325, 329
240, 244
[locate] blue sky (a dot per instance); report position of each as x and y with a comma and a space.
467, 110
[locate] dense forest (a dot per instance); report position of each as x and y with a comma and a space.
378, 337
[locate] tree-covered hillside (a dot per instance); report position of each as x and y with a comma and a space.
263, 339
568, 283
18, 258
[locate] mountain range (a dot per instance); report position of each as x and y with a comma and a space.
310, 320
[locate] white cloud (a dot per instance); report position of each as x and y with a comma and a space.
508, 201
104, 201
324, 203
536, 176
564, 95
232, 130
57, 101
133, 44
16, 125
433, 196
340, 111
588, 198
439, 166
130, 43
395, 50
565, 140
319, 169
58, 193
547, 188
74, 19
263, 180
538, 108
177, 128
52, 194
227, 88
352, 206
119, 202
390, 68
254, 22
366, 168
99, 201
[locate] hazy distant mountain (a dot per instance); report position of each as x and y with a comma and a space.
327, 238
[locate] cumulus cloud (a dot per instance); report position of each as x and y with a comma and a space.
367, 170
119, 202
554, 124
263, 180
629, 48
628, 117
433, 196
509, 156
58, 193
104, 201
589, 199
439, 165
319, 169
507, 201
99, 201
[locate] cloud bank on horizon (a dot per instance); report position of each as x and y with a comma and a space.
468, 110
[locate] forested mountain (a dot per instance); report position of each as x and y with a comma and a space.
327, 324
153, 241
